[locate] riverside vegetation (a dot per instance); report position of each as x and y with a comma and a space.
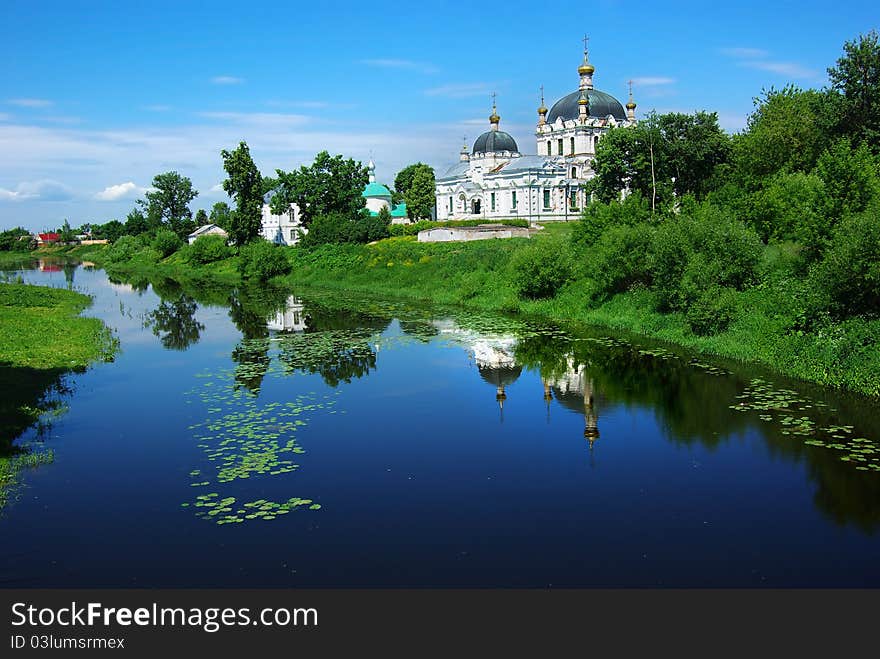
762, 246
43, 339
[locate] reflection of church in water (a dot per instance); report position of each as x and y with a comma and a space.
497, 366
290, 319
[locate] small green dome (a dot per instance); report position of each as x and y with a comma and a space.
376, 190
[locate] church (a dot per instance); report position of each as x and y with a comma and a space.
494, 180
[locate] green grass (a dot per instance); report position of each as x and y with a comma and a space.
42, 329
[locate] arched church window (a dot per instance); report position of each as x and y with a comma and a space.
572, 146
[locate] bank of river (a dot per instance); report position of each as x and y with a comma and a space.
260, 436
478, 275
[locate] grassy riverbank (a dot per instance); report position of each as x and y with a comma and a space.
43, 338
42, 329
483, 275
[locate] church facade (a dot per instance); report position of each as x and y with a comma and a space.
494, 180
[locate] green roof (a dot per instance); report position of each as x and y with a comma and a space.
376, 190
397, 211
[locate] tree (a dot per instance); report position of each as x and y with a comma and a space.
857, 77
169, 202
66, 233
664, 154
244, 185
403, 180
788, 130
419, 195
331, 185
136, 223
201, 218
112, 230
221, 215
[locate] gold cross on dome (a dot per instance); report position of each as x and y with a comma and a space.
586, 43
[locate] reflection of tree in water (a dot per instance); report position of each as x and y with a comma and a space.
175, 324
28, 398
334, 344
692, 405
69, 268
249, 307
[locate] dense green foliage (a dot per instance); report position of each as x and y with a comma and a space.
168, 203
331, 185
166, 242
221, 215
261, 260
342, 228
540, 272
206, 249
16, 240
856, 77
415, 185
244, 185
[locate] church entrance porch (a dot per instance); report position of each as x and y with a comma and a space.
475, 207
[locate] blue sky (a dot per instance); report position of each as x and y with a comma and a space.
97, 97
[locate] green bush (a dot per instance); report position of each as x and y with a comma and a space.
694, 253
599, 216
261, 260
847, 280
712, 311
619, 259
539, 271
206, 249
166, 242
124, 249
336, 228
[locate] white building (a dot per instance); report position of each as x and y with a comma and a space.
496, 181
285, 229
206, 230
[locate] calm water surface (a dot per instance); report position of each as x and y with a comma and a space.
261, 438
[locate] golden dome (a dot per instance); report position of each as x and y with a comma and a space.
631, 105
586, 69
494, 118
543, 109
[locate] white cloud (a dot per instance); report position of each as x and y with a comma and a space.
755, 58
127, 190
789, 69
30, 102
43, 190
5, 117
652, 81
226, 80
744, 53
463, 90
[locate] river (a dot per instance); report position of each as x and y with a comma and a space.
266, 438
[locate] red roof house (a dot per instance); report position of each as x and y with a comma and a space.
46, 238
